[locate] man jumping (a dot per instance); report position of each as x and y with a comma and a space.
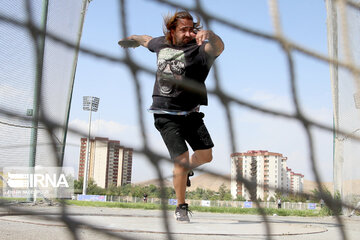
185, 54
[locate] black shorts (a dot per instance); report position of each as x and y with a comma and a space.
176, 130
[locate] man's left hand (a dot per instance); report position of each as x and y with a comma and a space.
203, 35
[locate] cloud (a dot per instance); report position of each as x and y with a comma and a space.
272, 101
103, 128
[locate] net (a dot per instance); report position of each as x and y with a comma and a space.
30, 64
343, 34
22, 59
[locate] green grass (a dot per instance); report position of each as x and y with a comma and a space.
231, 210
256, 211
8, 199
114, 204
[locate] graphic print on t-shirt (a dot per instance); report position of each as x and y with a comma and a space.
171, 67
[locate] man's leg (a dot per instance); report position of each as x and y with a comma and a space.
182, 166
180, 176
200, 157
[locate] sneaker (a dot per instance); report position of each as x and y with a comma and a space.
181, 213
188, 182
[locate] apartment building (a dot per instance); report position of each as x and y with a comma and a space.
267, 169
109, 162
297, 182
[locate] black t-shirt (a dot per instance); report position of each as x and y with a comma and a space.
175, 64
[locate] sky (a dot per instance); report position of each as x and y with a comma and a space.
250, 68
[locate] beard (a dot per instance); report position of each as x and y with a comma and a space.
182, 41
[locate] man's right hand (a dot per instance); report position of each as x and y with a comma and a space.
143, 40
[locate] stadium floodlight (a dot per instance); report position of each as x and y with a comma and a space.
90, 104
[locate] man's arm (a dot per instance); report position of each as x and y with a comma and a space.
214, 46
143, 40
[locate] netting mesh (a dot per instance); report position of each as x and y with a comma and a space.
19, 81
19, 55
17, 58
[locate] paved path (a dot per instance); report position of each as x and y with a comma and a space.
149, 224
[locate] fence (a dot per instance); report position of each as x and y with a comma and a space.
216, 203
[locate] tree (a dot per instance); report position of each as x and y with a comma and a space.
240, 198
333, 204
137, 191
94, 189
125, 190
278, 194
224, 194
113, 190
78, 185
152, 191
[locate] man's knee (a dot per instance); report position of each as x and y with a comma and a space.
209, 157
205, 155
182, 161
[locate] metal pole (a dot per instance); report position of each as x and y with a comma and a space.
71, 87
332, 32
37, 92
87, 152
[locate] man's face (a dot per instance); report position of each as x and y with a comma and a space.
183, 33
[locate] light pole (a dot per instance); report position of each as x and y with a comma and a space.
90, 104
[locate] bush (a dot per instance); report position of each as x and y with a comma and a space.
333, 204
240, 198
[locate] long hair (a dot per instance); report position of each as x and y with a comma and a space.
170, 23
